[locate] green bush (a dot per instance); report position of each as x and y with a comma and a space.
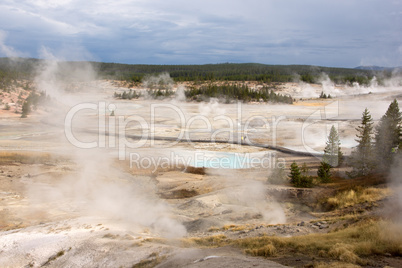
300, 178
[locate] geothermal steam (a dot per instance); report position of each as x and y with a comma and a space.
96, 188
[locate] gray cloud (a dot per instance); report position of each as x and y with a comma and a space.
329, 33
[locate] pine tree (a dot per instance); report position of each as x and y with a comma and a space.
362, 158
332, 152
324, 172
295, 174
388, 136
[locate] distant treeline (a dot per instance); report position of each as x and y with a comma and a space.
236, 92
241, 72
11, 72
227, 92
22, 67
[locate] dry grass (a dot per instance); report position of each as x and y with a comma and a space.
153, 260
214, 229
348, 218
265, 251
348, 245
231, 228
27, 157
335, 265
209, 241
343, 252
236, 228
355, 196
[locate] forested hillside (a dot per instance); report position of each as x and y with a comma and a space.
239, 72
23, 68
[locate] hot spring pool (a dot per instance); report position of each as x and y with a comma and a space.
230, 160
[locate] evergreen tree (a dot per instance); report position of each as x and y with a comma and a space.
332, 152
388, 136
295, 174
362, 158
324, 172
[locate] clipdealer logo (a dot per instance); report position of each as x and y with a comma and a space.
112, 130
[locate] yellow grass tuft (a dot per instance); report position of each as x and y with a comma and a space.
357, 196
343, 253
209, 241
265, 251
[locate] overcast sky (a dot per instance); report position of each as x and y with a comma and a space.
342, 33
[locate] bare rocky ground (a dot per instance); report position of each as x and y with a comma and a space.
53, 229
66, 207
